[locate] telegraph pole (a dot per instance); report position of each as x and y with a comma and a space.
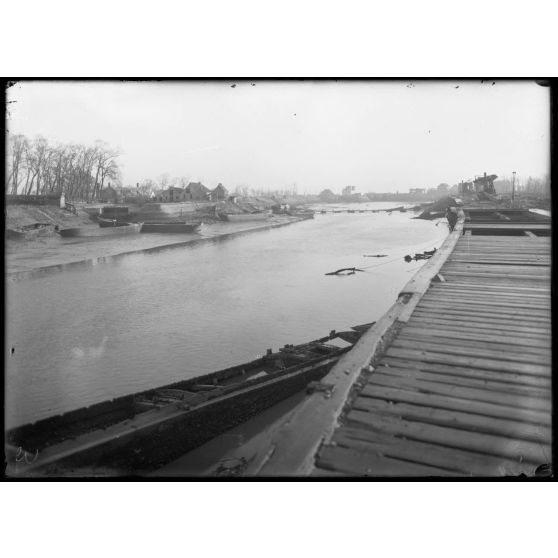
513, 186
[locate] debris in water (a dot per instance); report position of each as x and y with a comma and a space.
351, 271
374, 256
426, 255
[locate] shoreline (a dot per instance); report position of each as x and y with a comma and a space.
38, 270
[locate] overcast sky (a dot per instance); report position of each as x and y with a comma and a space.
377, 136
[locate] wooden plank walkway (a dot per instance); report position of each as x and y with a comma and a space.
464, 387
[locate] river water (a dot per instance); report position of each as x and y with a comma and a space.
86, 335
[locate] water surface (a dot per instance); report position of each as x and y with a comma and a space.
86, 335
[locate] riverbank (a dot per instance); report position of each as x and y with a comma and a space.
27, 258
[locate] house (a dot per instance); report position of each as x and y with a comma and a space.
417, 190
172, 194
348, 191
219, 193
196, 191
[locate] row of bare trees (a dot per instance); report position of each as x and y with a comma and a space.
80, 171
537, 186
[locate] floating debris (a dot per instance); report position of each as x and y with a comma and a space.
426, 255
374, 256
351, 271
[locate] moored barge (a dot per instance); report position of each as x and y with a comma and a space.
170, 227
131, 228
141, 432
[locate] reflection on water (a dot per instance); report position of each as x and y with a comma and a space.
88, 334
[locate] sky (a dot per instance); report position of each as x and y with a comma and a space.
378, 136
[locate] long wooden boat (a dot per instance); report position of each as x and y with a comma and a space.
132, 228
242, 217
304, 213
170, 227
106, 223
143, 431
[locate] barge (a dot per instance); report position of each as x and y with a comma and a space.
142, 432
131, 228
243, 217
106, 223
170, 227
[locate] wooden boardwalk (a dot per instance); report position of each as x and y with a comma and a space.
464, 387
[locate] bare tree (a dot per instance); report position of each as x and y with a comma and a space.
78, 170
16, 161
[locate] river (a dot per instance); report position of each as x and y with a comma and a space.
85, 335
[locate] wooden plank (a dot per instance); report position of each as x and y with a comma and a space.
495, 267
485, 309
467, 381
499, 249
485, 302
485, 275
459, 420
473, 362
465, 462
472, 291
506, 342
499, 264
503, 260
479, 294
476, 320
513, 298
453, 438
499, 282
468, 372
371, 464
513, 274
499, 252
529, 233
487, 317
471, 349
535, 325
409, 383
495, 254
457, 338
453, 403
507, 226
487, 287
540, 272
516, 328
506, 279
486, 305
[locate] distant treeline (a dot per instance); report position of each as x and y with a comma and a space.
34, 167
